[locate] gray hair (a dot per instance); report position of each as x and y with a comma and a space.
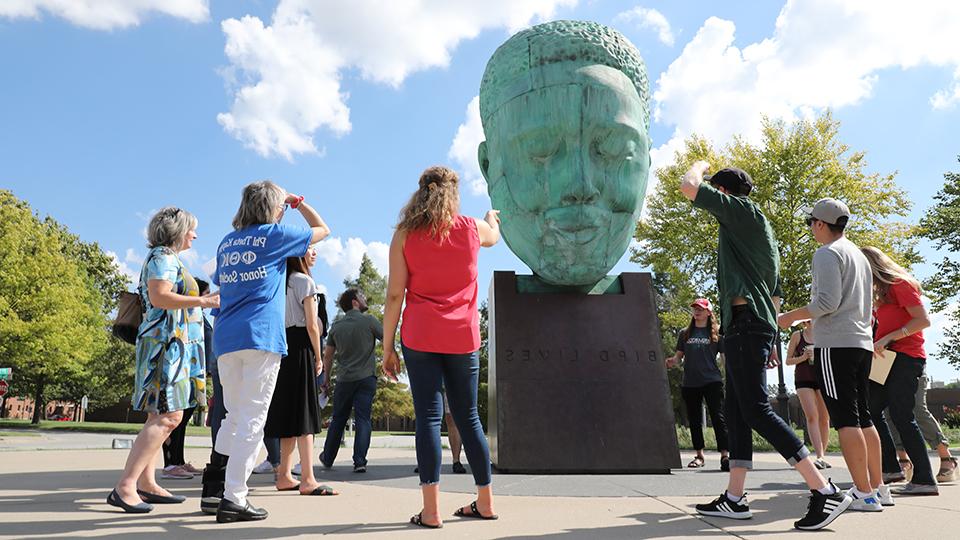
169, 226
258, 204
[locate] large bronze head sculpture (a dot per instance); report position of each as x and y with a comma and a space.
567, 154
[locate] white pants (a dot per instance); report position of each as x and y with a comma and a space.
248, 377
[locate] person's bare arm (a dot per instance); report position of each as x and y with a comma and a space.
396, 287
489, 228
162, 296
919, 320
313, 219
313, 326
327, 364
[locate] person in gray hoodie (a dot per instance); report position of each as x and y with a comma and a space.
841, 310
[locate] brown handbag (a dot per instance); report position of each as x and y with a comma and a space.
130, 311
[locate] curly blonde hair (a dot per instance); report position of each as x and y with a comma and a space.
434, 205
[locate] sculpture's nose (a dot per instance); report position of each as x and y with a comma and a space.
575, 183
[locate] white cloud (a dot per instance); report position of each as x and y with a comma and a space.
106, 14
133, 274
344, 258
210, 266
823, 53
947, 98
286, 76
648, 18
463, 150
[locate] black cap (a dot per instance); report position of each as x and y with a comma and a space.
737, 181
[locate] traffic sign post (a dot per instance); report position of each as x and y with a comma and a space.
4, 386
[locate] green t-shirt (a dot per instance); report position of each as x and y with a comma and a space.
354, 339
748, 260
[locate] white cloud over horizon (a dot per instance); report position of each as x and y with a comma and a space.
822, 54
651, 19
463, 149
344, 258
286, 77
105, 14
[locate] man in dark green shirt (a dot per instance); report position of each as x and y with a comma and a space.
748, 265
352, 342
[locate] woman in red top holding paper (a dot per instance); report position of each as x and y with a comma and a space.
433, 262
900, 320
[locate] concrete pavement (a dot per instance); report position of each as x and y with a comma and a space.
60, 494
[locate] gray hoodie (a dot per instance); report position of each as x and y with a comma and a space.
841, 296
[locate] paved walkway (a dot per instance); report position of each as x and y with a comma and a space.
60, 494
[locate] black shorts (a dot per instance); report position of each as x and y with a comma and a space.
843, 373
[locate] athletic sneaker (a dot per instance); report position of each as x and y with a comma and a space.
359, 468
459, 468
886, 498
893, 477
870, 503
821, 464
191, 469
264, 468
297, 470
823, 509
918, 489
176, 472
722, 506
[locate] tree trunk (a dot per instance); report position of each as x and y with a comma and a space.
38, 403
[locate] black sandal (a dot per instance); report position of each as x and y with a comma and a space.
321, 491
418, 521
474, 513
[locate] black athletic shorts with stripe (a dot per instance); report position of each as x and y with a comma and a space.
843, 374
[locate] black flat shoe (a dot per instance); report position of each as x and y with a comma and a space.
113, 499
160, 499
228, 512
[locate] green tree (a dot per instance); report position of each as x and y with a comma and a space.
792, 167
941, 226
372, 284
52, 319
483, 386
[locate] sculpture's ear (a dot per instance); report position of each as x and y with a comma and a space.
484, 162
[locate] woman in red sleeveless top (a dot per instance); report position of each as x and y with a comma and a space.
433, 266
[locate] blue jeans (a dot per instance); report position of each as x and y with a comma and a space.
747, 344
356, 395
899, 393
429, 374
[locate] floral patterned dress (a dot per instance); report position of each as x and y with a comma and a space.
170, 358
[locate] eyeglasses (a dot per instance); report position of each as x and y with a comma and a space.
810, 220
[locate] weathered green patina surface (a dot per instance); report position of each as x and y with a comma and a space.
564, 107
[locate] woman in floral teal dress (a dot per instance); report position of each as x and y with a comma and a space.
169, 373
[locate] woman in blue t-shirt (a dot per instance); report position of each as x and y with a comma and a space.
249, 331
697, 347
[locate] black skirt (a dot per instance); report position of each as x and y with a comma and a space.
294, 410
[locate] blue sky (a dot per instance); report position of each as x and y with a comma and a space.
112, 111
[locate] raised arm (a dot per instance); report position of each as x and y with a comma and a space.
690, 184
313, 219
489, 228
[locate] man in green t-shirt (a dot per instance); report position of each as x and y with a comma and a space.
748, 266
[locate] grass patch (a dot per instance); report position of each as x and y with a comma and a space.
17, 434
91, 427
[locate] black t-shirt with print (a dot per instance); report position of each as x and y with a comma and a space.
699, 358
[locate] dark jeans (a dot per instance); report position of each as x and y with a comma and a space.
273, 450
217, 410
358, 396
429, 374
173, 446
693, 397
899, 393
747, 344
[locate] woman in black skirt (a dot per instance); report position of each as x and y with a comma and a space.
294, 415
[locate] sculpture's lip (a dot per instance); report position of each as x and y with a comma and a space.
579, 224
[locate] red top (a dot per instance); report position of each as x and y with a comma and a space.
892, 316
441, 313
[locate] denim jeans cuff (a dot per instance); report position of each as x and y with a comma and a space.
741, 464
801, 455
430, 483
484, 485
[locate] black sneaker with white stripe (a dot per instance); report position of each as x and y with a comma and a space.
722, 506
823, 509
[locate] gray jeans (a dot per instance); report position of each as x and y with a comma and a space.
928, 424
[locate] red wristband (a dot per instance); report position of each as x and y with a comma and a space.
296, 203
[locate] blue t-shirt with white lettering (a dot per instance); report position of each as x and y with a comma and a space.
251, 274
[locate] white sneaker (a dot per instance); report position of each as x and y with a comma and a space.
296, 469
264, 468
870, 503
886, 498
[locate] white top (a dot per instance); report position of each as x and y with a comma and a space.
299, 287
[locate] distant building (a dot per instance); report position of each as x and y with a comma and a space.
937, 384
22, 408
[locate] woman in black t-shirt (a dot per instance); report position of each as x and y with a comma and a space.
697, 347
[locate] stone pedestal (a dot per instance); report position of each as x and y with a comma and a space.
577, 382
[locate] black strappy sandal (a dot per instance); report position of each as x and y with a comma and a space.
475, 513
418, 521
